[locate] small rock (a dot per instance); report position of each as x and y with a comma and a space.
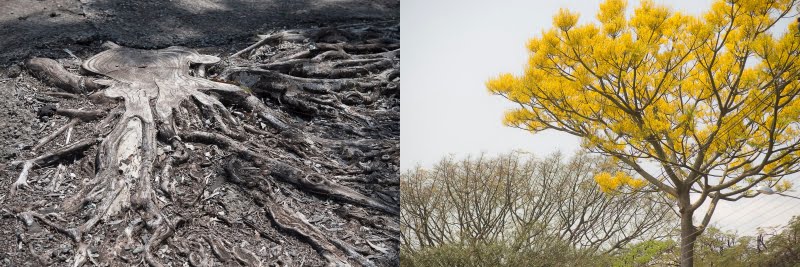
46, 111
13, 71
190, 147
351, 153
8, 153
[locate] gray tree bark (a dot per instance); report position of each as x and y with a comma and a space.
689, 235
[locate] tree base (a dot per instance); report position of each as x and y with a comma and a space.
276, 159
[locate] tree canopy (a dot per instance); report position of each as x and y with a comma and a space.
704, 104
517, 208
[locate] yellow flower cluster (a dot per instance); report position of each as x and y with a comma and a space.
610, 183
657, 77
565, 19
612, 16
784, 186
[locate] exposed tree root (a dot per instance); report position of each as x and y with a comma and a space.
54, 74
261, 145
82, 115
62, 95
54, 134
283, 172
75, 115
49, 159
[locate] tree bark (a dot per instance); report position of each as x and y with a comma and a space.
689, 235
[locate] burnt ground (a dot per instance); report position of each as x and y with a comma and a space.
56, 28
46, 27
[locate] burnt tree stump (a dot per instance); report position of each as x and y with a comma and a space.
275, 123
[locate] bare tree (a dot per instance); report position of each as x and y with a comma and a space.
524, 203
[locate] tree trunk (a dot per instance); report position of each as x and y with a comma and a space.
688, 236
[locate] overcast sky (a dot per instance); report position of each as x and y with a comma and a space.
451, 47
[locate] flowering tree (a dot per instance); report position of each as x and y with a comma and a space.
703, 108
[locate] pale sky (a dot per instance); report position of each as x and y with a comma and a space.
451, 47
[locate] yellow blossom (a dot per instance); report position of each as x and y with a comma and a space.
565, 19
